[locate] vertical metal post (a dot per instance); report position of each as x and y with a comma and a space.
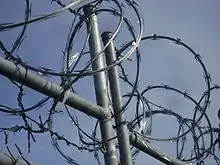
121, 127
100, 85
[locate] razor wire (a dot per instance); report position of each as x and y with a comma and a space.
198, 127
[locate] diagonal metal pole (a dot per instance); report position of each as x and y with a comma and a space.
100, 84
121, 126
146, 147
40, 84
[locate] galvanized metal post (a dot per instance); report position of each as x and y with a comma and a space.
40, 84
121, 127
146, 147
100, 84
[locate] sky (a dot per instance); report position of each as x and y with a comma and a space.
195, 22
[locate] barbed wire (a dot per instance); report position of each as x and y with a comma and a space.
198, 128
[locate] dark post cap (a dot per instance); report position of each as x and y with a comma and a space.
106, 35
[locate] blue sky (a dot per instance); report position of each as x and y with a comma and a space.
162, 62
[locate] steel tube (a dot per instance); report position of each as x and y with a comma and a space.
146, 147
38, 83
121, 126
100, 84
